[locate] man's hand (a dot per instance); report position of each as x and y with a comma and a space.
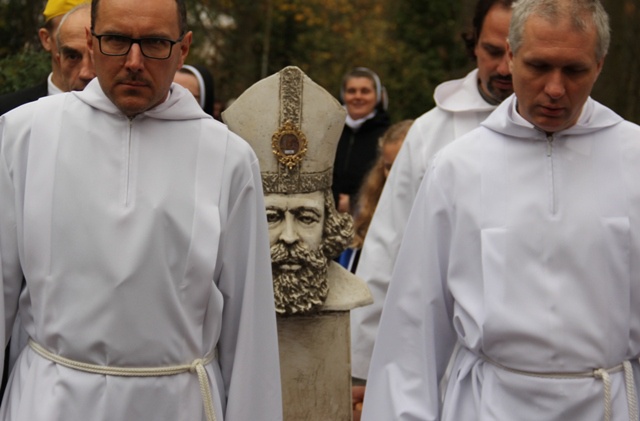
344, 203
357, 397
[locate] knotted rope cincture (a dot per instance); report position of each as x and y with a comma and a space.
197, 366
600, 374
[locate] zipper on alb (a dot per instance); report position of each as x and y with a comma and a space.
128, 165
551, 169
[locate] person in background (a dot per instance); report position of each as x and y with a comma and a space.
460, 107
218, 108
523, 247
367, 199
76, 67
365, 100
53, 13
198, 80
137, 222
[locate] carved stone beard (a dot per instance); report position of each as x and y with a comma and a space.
302, 290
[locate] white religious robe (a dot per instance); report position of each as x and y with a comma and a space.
144, 244
525, 249
459, 109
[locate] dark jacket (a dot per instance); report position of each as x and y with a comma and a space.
15, 99
356, 153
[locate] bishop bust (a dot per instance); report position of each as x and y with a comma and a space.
294, 125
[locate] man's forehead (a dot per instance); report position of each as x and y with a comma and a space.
159, 17
74, 26
313, 200
496, 21
540, 40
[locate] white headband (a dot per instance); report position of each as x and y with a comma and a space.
201, 86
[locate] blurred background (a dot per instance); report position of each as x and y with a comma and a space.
412, 44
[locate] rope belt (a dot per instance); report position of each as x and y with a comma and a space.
197, 366
599, 373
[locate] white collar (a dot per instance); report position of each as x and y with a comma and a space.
356, 124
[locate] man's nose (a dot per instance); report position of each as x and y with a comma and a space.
555, 86
135, 58
87, 71
289, 234
503, 68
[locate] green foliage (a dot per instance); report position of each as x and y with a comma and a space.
19, 23
427, 51
412, 44
24, 69
327, 38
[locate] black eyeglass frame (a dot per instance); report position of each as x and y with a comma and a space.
137, 41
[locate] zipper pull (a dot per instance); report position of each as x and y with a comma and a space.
549, 144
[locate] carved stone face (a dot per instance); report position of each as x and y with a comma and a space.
296, 218
306, 233
296, 227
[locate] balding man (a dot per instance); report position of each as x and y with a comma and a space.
53, 13
73, 58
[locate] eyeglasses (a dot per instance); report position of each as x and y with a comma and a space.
119, 45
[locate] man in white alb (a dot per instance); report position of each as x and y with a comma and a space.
523, 246
138, 223
460, 107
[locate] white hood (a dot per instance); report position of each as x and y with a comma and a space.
180, 105
594, 117
461, 95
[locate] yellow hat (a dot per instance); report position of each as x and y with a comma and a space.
59, 7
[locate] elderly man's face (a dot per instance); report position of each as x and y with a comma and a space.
133, 82
554, 71
76, 68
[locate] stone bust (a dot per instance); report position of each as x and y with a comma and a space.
294, 126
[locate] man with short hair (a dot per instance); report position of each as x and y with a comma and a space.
76, 68
53, 14
523, 247
460, 107
138, 223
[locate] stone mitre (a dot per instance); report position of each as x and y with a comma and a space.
294, 126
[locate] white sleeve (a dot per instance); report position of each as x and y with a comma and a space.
416, 335
10, 268
382, 243
248, 344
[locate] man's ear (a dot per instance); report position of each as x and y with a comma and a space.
510, 56
600, 65
87, 31
46, 39
185, 44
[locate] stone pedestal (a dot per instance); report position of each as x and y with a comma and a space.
315, 353
315, 365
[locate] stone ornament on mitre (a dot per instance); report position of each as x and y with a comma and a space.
294, 125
